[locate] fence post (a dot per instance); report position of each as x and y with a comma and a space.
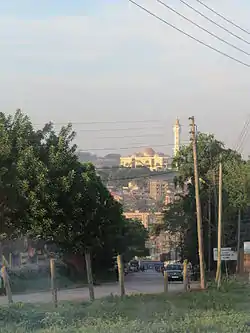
89, 276
185, 277
121, 274
10, 260
53, 282
165, 281
6, 282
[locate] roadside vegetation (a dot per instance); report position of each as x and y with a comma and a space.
214, 311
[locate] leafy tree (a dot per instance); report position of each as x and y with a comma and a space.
181, 216
135, 236
47, 193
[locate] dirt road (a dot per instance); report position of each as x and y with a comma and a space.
135, 283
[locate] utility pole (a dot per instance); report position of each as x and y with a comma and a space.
209, 231
218, 272
198, 205
238, 241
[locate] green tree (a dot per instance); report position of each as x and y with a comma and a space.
135, 236
181, 215
47, 193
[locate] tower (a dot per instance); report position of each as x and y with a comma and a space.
177, 133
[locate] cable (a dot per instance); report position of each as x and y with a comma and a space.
223, 17
156, 174
125, 148
242, 135
105, 122
214, 22
130, 136
119, 129
190, 36
203, 29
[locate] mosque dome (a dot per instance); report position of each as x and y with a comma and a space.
148, 152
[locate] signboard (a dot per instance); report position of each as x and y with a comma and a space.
246, 247
226, 254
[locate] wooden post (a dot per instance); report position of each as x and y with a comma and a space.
10, 260
89, 276
53, 282
165, 281
238, 241
121, 274
209, 232
7, 284
218, 272
185, 277
198, 205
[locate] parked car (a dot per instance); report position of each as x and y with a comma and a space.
175, 272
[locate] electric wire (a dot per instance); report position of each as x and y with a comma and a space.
125, 148
202, 28
223, 17
243, 136
190, 36
73, 123
214, 22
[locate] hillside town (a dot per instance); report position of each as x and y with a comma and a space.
145, 194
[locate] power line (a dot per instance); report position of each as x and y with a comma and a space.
130, 136
214, 22
241, 134
104, 122
202, 28
157, 174
125, 148
119, 129
223, 17
188, 35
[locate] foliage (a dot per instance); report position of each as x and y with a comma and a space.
135, 236
46, 193
181, 215
209, 311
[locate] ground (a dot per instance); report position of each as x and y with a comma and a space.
213, 311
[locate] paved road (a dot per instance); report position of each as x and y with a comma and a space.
142, 282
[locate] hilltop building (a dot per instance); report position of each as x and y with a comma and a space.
147, 158
151, 159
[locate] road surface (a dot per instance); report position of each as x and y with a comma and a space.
135, 283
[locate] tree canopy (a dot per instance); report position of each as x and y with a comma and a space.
181, 215
47, 193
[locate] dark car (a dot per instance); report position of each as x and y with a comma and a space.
175, 272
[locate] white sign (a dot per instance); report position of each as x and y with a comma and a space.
226, 254
246, 247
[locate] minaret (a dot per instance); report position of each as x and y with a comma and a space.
177, 132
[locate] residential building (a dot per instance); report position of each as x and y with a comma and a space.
162, 187
147, 218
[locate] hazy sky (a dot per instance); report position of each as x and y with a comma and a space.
99, 60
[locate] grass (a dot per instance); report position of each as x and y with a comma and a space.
226, 311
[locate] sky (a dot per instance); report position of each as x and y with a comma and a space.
96, 61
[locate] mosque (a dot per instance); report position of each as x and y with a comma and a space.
151, 159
